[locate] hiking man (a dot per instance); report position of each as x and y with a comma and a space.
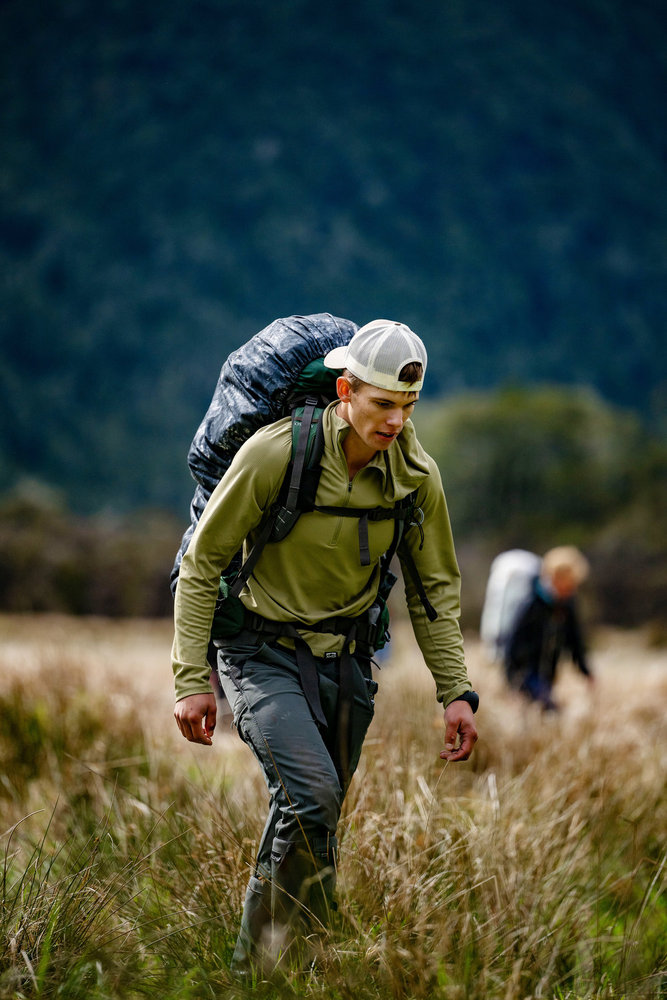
298, 673
547, 625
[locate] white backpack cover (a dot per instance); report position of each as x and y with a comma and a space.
508, 589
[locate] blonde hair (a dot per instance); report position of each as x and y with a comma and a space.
565, 557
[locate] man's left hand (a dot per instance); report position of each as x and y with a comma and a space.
459, 722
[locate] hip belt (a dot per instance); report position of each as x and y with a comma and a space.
359, 630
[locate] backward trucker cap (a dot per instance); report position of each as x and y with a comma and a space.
377, 354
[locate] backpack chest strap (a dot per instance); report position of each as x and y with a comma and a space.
401, 512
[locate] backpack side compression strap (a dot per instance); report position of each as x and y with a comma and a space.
406, 556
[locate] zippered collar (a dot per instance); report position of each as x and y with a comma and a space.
403, 466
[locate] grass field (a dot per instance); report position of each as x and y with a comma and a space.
537, 869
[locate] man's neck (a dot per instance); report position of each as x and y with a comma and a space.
357, 454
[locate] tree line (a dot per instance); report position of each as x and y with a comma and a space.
175, 179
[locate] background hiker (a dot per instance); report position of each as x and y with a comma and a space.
296, 666
547, 626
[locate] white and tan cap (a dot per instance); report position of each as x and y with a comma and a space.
377, 354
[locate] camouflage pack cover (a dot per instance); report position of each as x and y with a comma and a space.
254, 385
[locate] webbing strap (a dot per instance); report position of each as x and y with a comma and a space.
406, 555
345, 707
364, 545
310, 682
300, 454
399, 513
309, 677
291, 503
305, 659
248, 566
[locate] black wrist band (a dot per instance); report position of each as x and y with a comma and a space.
471, 697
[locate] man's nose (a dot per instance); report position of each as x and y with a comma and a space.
395, 418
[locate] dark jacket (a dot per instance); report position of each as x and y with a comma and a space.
545, 629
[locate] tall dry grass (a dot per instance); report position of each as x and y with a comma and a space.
535, 870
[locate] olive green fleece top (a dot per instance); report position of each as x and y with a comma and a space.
316, 571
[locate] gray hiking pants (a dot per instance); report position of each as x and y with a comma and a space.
295, 873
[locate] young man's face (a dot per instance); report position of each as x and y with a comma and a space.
377, 416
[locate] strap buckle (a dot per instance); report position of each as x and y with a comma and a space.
416, 517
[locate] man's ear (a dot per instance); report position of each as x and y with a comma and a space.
343, 388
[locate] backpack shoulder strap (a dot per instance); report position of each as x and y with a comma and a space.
299, 488
303, 471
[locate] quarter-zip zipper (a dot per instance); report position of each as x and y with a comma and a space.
339, 521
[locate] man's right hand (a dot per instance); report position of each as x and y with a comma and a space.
195, 717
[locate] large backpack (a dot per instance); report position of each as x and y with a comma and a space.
280, 371
508, 590
255, 387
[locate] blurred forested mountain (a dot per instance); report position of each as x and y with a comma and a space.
175, 175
